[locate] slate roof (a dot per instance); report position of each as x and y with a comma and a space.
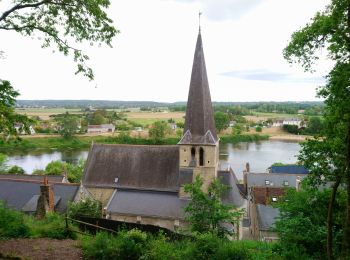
266, 216
51, 178
275, 180
17, 193
199, 121
291, 169
143, 167
233, 195
147, 203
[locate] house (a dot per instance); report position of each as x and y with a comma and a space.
293, 121
263, 190
263, 218
145, 183
277, 123
104, 128
20, 129
23, 194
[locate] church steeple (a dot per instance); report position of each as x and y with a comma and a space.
199, 122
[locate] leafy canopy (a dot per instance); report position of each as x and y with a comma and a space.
61, 24
206, 212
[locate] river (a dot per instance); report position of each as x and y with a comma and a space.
260, 156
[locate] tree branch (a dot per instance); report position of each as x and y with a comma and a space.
20, 6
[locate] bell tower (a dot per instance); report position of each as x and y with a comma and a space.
199, 145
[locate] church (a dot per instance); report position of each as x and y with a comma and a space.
144, 183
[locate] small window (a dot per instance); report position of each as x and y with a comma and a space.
267, 182
185, 160
274, 199
184, 150
208, 161
285, 183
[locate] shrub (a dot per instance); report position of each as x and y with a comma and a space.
52, 226
16, 170
126, 245
258, 129
87, 207
12, 223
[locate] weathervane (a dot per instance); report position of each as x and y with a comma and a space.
199, 18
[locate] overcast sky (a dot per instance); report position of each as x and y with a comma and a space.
151, 58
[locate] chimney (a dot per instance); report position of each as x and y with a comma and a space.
247, 167
245, 173
46, 200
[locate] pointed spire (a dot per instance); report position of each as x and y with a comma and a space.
199, 122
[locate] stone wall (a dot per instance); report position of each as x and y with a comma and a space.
101, 194
171, 224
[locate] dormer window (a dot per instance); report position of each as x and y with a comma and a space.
285, 183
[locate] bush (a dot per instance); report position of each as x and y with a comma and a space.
52, 226
87, 207
12, 223
126, 245
16, 170
258, 129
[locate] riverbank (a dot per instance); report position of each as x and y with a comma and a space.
84, 142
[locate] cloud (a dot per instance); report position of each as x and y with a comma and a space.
219, 10
266, 75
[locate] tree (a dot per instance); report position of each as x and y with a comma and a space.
87, 207
158, 130
206, 212
301, 225
314, 125
8, 117
68, 126
222, 121
59, 23
330, 30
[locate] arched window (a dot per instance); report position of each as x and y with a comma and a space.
201, 156
193, 153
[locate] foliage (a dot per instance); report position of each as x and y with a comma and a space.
180, 124
87, 207
12, 223
243, 138
222, 121
146, 246
330, 30
52, 226
302, 223
293, 129
3, 160
68, 126
74, 171
258, 129
58, 23
126, 245
206, 212
8, 118
158, 130
16, 170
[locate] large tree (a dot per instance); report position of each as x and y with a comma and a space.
62, 24
329, 30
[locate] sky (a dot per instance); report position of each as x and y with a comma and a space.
152, 56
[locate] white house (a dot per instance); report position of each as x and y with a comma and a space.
104, 128
293, 121
20, 129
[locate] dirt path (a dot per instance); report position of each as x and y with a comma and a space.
41, 248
